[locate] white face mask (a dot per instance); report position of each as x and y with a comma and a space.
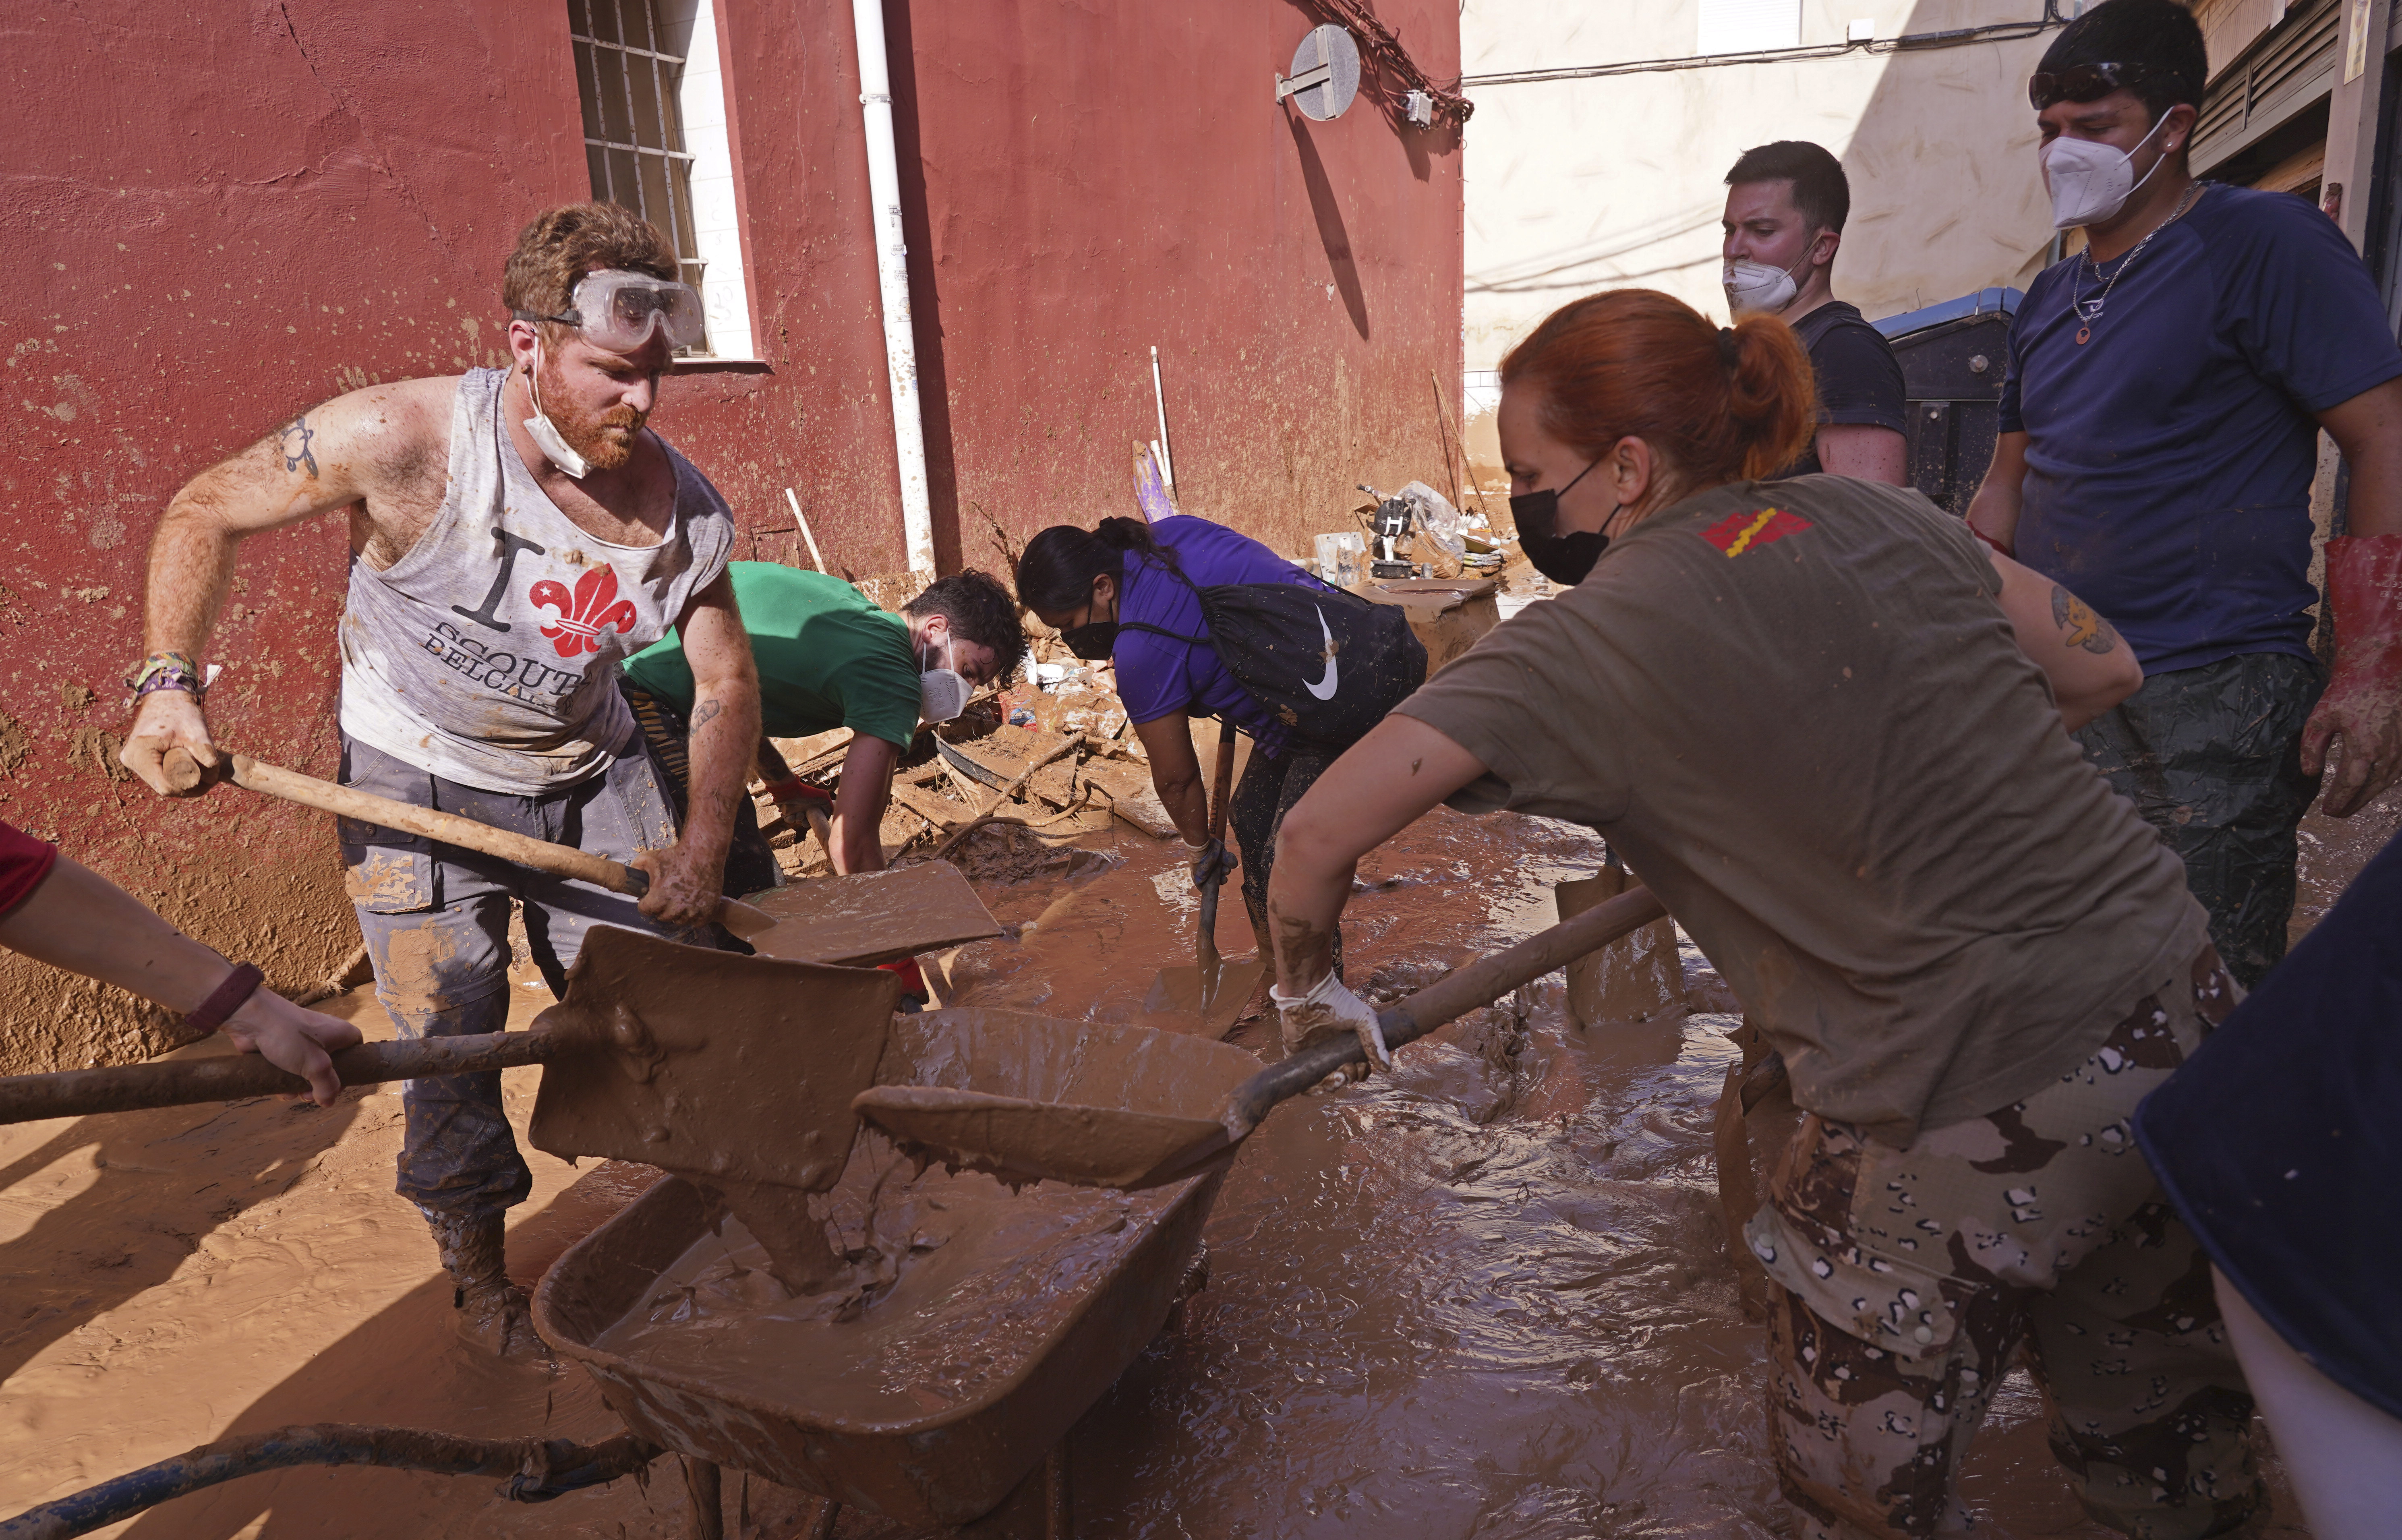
2091, 181
1757, 286
546, 434
943, 692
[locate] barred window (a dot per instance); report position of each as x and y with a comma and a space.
629, 71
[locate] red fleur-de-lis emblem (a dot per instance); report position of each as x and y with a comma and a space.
593, 608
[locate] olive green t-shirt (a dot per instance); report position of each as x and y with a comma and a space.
1797, 712
827, 656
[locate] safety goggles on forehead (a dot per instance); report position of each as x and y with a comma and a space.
2088, 82
621, 310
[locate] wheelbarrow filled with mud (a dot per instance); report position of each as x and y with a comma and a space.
964, 1326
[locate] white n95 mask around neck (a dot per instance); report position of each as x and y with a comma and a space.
2091, 181
544, 433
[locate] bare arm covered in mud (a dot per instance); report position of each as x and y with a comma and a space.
79, 921
1380, 786
857, 828
2091, 666
381, 453
1176, 774
686, 878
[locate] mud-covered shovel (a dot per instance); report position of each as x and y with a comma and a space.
1639, 977
730, 1070
561, 860
1123, 1143
1211, 990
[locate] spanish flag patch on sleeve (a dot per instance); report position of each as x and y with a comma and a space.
1748, 531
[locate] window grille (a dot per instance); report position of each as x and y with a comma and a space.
633, 131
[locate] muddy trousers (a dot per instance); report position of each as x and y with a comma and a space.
1267, 792
1903, 1281
437, 923
2211, 758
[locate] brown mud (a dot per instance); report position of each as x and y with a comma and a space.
1487, 1296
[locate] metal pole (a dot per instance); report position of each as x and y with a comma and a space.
892, 283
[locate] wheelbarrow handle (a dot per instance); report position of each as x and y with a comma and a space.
1454, 995
560, 860
186, 1083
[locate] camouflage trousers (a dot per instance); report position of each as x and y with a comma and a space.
1903, 1281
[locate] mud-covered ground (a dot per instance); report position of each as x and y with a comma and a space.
1486, 1297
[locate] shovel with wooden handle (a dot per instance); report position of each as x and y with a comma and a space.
1210, 989
1022, 1139
708, 1064
560, 860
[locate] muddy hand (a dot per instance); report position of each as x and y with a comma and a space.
169, 746
1330, 1010
684, 885
293, 1038
2366, 714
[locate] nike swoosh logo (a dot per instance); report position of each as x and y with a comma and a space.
1324, 689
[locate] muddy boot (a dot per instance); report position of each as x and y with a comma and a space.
493, 1313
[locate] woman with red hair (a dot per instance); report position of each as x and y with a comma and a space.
1830, 730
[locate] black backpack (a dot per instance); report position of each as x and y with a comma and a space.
1327, 664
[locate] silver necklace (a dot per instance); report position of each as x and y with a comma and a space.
2090, 309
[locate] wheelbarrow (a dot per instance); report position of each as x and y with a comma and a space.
931, 1406
934, 1452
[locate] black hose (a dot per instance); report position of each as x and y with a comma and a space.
537, 1470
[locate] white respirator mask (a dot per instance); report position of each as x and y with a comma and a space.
943, 692
544, 433
2091, 181
1752, 286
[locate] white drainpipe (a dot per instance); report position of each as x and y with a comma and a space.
892, 281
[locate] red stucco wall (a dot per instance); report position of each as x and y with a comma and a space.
225, 213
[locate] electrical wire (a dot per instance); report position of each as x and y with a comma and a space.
1998, 32
1378, 44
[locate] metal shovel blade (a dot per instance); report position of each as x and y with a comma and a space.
1212, 998
870, 917
1636, 978
1127, 1106
708, 1063
1028, 1098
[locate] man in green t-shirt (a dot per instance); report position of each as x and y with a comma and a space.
829, 658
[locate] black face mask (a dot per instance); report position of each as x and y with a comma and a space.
1093, 642
1563, 559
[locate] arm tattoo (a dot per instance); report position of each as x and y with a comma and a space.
706, 712
2077, 618
294, 446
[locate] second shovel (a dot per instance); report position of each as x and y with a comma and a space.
1213, 991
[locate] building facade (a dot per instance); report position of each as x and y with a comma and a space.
225, 214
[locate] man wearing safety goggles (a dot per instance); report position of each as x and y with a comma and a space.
2160, 425
515, 535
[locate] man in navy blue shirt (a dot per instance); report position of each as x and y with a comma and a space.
2159, 437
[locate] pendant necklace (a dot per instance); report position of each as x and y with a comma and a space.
2090, 309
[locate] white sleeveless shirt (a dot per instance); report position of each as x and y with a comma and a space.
489, 654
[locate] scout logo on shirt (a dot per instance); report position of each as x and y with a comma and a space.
1749, 532
594, 608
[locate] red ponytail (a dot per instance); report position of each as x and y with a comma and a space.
1720, 405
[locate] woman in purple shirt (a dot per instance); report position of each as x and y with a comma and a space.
1130, 592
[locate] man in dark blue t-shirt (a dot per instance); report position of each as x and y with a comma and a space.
2160, 425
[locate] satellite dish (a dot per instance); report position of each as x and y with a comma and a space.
1325, 73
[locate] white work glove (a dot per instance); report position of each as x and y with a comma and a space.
1329, 1010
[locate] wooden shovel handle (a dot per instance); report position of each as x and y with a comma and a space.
1454, 995
80, 1093
1222, 784
560, 860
